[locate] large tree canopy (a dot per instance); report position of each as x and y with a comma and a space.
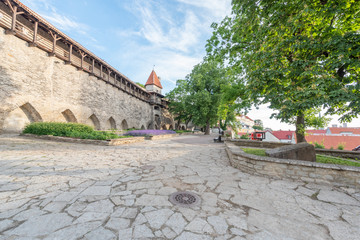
180, 102
296, 55
200, 96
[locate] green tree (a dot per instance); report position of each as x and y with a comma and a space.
179, 103
256, 127
204, 85
234, 99
296, 55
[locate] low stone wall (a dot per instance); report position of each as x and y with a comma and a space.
339, 153
260, 144
112, 142
293, 169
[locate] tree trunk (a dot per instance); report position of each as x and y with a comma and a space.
178, 125
207, 130
300, 128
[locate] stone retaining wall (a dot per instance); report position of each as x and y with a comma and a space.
260, 144
339, 153
293, 169
112, 142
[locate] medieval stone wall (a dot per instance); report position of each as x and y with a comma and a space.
36, 87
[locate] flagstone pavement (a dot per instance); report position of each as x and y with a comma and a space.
52, 190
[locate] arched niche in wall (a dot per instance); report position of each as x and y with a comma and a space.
69, 116
17, 119
183, 128
31, 113
93, 121
142, 127
111, 124
124, 125
163, 127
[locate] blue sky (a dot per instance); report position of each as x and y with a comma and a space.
135, 35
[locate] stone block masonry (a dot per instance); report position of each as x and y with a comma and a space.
293, 169
36, 87
47, 76
301, 151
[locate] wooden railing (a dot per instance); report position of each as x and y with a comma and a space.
25, 29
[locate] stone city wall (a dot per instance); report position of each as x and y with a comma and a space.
36, 87
293, 169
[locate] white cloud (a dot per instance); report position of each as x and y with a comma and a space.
217, 8
171, 39
64, 23
46, 9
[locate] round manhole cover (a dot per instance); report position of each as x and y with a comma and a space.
185, 199
147, 167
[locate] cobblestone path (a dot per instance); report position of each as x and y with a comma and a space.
51, 190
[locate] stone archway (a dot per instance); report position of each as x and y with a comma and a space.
69, 116
142, 127
94, 121
163, 127
18, 118
111, 124
124, 125
183, 128
31, 113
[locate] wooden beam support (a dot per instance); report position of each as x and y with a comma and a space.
83, 55
101, 71
93, 66
70, 54
109, 72
15, 12
55, 38
34, 42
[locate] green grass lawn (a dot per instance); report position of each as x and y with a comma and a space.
255, 151
319, 158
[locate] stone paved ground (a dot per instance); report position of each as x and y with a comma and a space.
51, 190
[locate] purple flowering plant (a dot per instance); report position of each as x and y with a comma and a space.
149, 132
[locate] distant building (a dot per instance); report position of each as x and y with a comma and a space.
245, 123
333, 141
280, 136
342, 131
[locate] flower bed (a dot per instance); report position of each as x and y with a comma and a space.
149, 132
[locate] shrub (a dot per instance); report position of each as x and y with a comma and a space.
74, 130
319, 145
341, 146
56, 129
245, 136
148, 132
182, 131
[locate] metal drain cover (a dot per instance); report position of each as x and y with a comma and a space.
185, 199
147, 167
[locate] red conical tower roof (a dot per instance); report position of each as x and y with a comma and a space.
153, 80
